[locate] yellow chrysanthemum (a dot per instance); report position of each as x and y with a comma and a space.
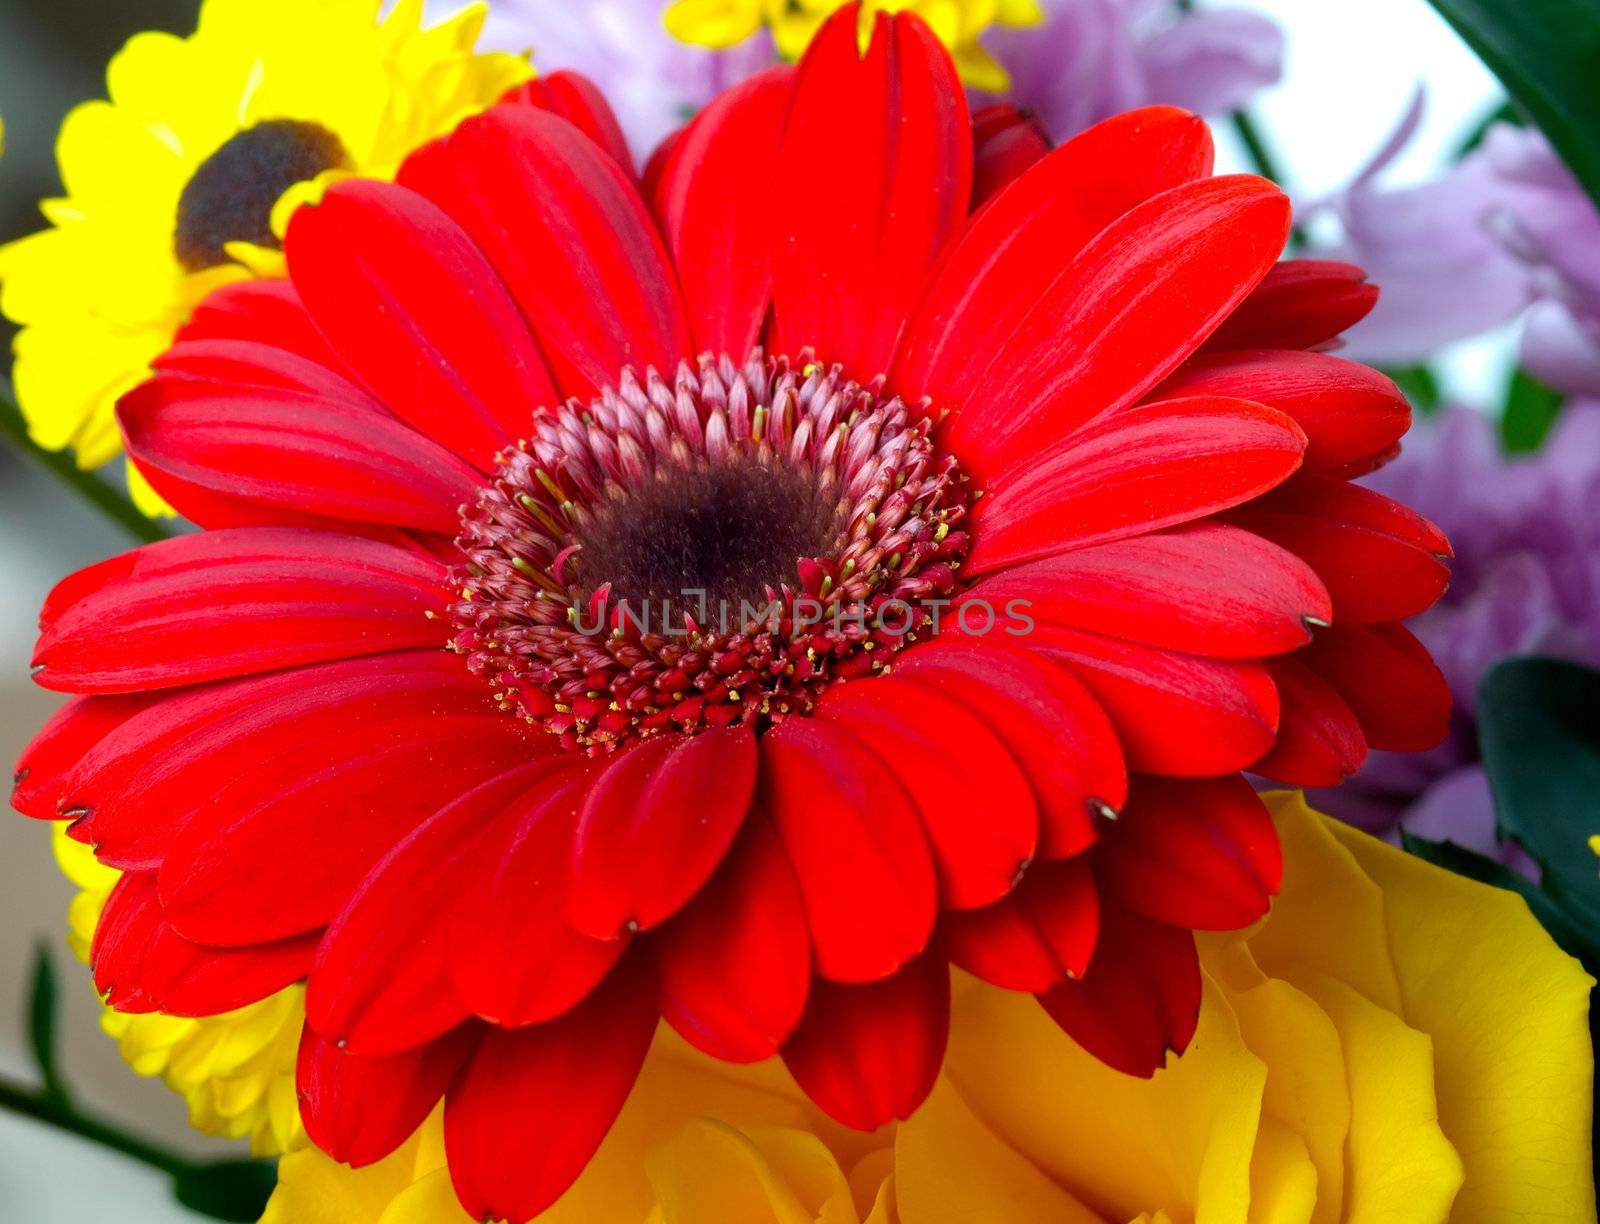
236, 1070
171, 185
958, 23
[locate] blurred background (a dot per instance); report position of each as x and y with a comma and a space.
1352, 69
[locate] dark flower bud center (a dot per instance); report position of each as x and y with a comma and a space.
231, 196
719, 533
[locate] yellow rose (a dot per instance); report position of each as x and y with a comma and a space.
1394, 1043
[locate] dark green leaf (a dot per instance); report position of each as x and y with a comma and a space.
42, 996
1505, 112
1539, 726
1574, 940
228, 1190
1545, 53
1531, 408
1419, 384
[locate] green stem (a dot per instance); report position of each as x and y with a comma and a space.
86, 484
1255, 147
42, 1108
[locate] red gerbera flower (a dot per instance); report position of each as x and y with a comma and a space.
1040, 515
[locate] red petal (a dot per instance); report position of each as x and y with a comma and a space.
294, 451
1320, 742
1135, 472
1391, 682
262, 312
418, 312
1204, 588
533, 1105
1381, 561
857, 846
1128, 309
565, 228
1201, 854
1001, 268
381, 982
874, 175
281, 850
513, 958
870, 1054
1042, 934
1302, 304
1141, 996
713, 197
1350, 414
228, 603
143, 782
577, 100
39, 783
142, 965
976, 805
358, 1109
249, 363
1056, 731
1006, 144
735, 966
1177, 714
654, 826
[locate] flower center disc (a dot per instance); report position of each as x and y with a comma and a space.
230, 197
712, 550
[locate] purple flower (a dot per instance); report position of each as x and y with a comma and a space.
1090, 60
1505, 229
1526, 580
653, 81
1096, 58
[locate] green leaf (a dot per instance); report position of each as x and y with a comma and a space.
227, 1190
1570, 935
1539, 727
1546, 54
1531, 409
1419, 384
1503, 112
42, 995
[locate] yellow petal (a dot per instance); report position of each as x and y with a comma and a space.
1509, 1023
1400, 1165
78, 863
150, 503
1283, 1181
1181, 1140
1306, 1088
711, 1171
1337, 928
431, 1200
315, 1190
952, 1169
713, 23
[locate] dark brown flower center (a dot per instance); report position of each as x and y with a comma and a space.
711, 550
231, 196
724, 532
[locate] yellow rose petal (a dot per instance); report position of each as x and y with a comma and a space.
952, 1169
1508, 1014
1181, 1140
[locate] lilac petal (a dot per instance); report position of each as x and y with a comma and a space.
653, 81
1559, 350
1096, 58
1212, 62
1458, 808
1432, 250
